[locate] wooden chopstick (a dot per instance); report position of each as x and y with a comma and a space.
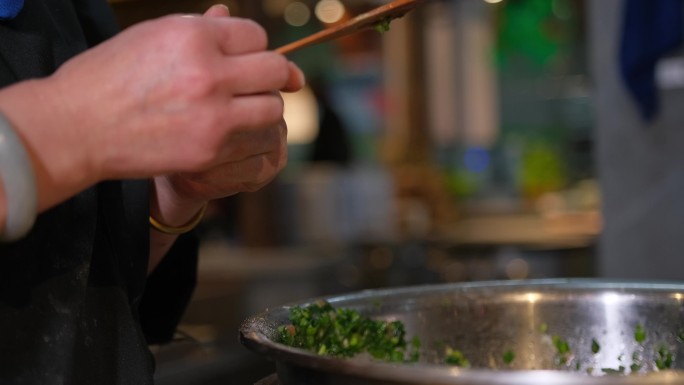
395, 9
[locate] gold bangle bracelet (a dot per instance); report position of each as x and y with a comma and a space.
171, 230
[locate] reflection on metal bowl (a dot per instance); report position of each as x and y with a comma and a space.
616, 333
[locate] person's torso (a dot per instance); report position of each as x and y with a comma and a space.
69, 291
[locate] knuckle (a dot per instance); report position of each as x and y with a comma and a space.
182, 31
237, 28
198, 81
257, 33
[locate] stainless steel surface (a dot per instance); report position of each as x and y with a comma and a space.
486, 319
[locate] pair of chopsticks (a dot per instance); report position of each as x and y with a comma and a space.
370, 19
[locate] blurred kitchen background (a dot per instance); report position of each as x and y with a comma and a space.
475, 140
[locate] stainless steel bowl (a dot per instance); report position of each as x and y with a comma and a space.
485, 320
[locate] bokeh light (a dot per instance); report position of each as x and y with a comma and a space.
297, 14
329, 11
301, 116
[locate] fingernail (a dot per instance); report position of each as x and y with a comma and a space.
224, 7
218, 10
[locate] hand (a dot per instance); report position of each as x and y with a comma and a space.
179, 195
179, 94
192, 97
171, 95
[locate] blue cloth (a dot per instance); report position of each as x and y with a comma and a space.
651, 29
9, 9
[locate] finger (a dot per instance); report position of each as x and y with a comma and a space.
218, 10
296, 81
247, 144
239, 36
259, 170
260, 130
255, 73
256, 110
249, 174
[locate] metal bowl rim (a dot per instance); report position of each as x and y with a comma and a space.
559, 284
253, 338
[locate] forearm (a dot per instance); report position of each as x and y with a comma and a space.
50, 134
57, 143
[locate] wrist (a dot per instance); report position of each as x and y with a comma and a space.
170, 210
47, 128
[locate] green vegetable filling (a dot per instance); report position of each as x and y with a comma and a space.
595, 347
619, 370
508, 357
562, 348
456, 358
639, 333
664, 358
383, 25
322, 329
543, 328
325, 330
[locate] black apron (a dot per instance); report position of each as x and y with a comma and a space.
76, 306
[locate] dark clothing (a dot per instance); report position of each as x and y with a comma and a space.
74, 292
650, 31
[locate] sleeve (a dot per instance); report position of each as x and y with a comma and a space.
166, 292
169, 290
97, 20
